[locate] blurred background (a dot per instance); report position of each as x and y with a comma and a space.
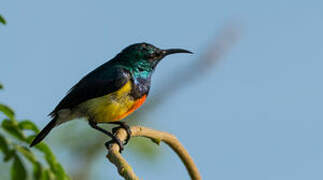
246, 105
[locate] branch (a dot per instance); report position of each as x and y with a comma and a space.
125, 170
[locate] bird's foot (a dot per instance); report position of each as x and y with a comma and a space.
114, 140
124, 126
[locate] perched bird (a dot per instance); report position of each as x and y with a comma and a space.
111, 92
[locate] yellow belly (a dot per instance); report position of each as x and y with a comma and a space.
112, 107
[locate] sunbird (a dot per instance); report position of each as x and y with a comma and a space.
111, 92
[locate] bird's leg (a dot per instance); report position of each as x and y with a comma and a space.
124, 126
114, 138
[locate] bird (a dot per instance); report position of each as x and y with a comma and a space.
110, 92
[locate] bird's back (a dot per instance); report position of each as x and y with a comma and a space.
104, 80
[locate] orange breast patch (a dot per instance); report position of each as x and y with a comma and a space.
135, 106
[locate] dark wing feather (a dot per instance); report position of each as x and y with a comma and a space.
100, 82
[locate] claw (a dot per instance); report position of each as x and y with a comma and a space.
115, 140
124, 126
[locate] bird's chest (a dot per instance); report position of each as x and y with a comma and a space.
140, 87
115, 106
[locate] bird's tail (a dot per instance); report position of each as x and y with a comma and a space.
43, 133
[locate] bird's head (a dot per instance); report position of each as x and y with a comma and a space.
145, 56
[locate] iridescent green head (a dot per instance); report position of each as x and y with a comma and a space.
144, 56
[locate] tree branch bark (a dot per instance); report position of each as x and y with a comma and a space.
126, 171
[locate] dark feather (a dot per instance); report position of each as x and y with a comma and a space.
97, 83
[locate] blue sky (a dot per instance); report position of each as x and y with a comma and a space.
257, 115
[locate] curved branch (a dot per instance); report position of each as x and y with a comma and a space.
125, 169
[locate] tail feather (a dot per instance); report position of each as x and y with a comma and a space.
44, 132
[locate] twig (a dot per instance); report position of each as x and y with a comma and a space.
125, 169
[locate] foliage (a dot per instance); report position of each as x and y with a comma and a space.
14, 143
2, 20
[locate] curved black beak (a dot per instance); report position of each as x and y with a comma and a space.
174, 51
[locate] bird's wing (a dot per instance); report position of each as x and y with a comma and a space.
98, 83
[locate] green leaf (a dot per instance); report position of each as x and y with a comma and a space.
48, 175
11, 154
4, 145
49, 156
2, 20
44, 149
1, 86
28, 125
55, 167
26, 153
18, 171
7, 111
37, 168
60, 173
51, 161
13, 129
